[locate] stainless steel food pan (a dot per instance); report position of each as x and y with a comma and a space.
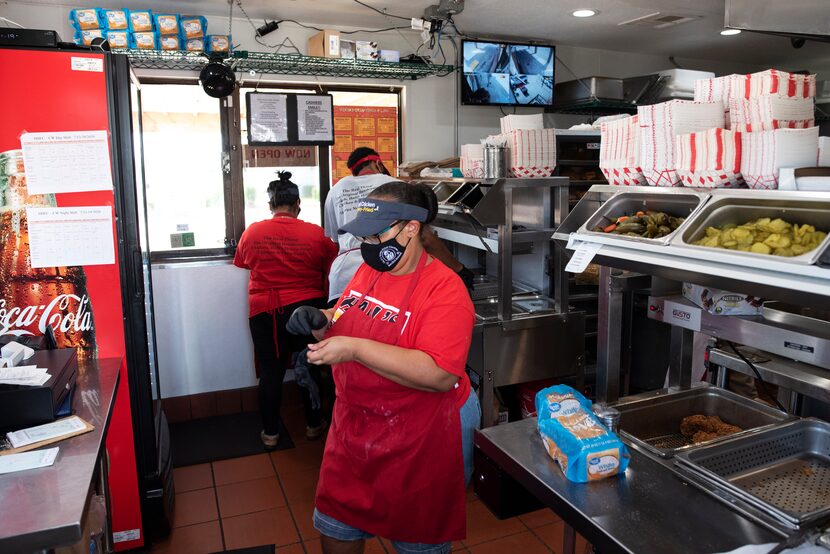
653, 423
677, 204
784, 470
736, 209
444, 190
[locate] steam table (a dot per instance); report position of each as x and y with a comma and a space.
649, 510
45, 508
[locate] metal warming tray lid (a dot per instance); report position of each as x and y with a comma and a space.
784, 471
680, 203
652, 422
739, 207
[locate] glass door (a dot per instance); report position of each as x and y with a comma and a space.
261, 164
144, 240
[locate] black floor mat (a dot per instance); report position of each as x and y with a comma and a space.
218, 438
270, 549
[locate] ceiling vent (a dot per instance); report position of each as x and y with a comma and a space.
659, 20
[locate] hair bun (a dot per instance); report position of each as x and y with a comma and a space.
284, 175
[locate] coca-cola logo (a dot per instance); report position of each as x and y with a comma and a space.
15, 321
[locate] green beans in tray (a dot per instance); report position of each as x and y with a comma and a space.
646, 225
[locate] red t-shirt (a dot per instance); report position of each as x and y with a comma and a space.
439, 320
289, 261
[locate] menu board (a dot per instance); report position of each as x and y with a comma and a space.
356, 126
287, 119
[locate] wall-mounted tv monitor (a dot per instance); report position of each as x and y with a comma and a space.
506, 74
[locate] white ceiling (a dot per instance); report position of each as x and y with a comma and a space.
548, 20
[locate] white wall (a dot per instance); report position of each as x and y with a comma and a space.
434, 123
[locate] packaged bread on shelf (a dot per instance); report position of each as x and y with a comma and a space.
583, 448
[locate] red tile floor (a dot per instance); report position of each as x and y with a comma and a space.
269, 498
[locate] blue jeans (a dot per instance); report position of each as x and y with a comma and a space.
470, 421
330, 527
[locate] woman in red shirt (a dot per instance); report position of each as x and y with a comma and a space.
397, 341
289, 261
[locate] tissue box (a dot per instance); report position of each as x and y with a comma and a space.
325, 44
366, 50
721, 302
393, 56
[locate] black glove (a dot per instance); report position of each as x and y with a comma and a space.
306, 319
467, 276
303, 378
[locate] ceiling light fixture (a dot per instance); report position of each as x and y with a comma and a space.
584, 13
730, 32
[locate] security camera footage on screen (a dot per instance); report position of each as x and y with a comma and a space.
507, 74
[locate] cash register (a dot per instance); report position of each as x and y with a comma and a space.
25, 406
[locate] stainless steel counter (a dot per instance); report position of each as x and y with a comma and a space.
44, 508
649, 510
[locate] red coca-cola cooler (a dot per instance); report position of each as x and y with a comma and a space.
70, 158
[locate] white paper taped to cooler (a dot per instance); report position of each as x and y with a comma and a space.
76, 161
68, 236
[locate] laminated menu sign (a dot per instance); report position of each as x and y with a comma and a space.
371, 126
76, 161
268, 118
315, 118
71, 236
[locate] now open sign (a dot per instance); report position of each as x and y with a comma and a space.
280, 156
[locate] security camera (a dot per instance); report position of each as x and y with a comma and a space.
798, 42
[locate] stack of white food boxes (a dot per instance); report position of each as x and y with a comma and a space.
740, 130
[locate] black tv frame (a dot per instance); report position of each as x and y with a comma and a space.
462, 75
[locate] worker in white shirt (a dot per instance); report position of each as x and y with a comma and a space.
368, 173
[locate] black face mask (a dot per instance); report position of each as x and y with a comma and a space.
384, 256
